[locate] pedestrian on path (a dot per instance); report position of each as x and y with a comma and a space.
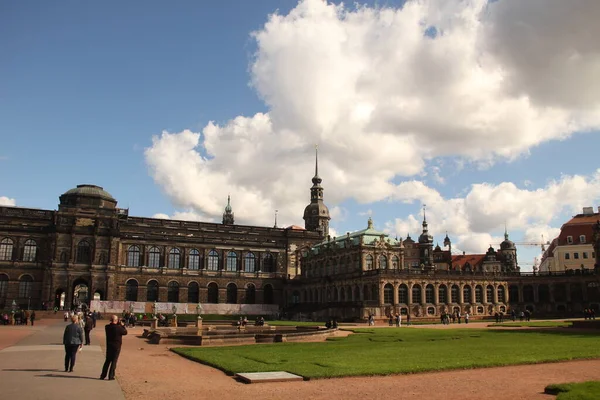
89, 324
32, 317
114, 339
72, 339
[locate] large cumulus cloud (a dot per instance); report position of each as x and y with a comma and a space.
384, 91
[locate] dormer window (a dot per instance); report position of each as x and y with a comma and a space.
582, 239
569, 239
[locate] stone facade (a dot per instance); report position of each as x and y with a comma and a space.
90, 249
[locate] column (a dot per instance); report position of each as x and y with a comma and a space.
520, 292
410, 288
381, 291
473, 287
396, 297
436, 294
536, 293
495, 294
461, 299
423, 290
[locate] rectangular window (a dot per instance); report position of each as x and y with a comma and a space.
585, 254
567, 256
570, 239
576, 256
582, 239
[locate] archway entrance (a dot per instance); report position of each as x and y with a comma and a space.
59, 299
80, 294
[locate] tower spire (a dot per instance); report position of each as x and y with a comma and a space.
228, 214
275, 226
316, 214
316, 160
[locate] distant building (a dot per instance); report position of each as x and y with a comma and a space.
573, 249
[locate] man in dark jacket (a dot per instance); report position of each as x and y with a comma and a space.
114, 338
89, 324
72, 339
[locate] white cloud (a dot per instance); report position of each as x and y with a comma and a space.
338, 213
6, 201
487, 208
189, 215
383, 99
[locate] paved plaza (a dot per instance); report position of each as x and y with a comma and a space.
31, 367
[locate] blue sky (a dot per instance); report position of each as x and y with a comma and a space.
84, 87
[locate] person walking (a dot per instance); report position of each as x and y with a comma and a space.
32, 317
89, 325
72, 340
114, 339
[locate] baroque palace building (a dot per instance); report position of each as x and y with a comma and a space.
89, 249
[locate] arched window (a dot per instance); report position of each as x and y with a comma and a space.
29, 250
268, 294
429, 294
131, 290
133, 256
173, 292
6, 249
382, 262
152, 291
416, 294
501, 298
3, 288
213, 293
443, 294
544, 293
194, 261
513, 293
25, 284
403, 294
232, 293
295, 297
154, 257
193, 293
454, 293
388, 294
84, 252
268, 263
489, 294
213, 260
369, 262
250, 294
467, 294
374, 292
527, 294
174, 258
232, 261
395, 262
478, 294
250, 262
356, 294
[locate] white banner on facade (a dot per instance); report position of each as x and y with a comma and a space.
118, 307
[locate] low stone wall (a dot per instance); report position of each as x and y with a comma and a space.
188, 336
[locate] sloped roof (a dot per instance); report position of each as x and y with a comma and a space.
369, 235
577, 226
472, 259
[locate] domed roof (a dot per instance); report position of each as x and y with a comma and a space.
425, 237
507, 243
316, 209
89, 191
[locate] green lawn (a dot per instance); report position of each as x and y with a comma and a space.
534, 324
392, 351
575, 391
